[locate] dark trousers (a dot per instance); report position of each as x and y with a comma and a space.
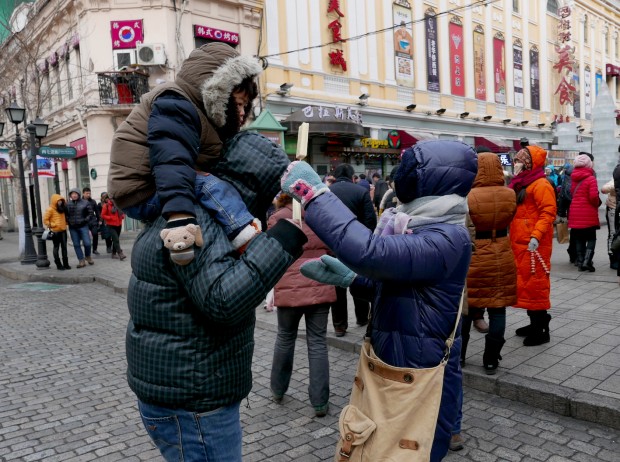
340, 316
115, 232
497, 324
94, 231
585, 239
60, 242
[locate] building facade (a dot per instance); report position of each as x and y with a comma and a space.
487, 73
92, 61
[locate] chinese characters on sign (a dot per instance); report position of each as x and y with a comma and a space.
456, 58
517, 59
565, 64
336, 56
338, 113
126, 34
479, 67
499, 74
217, 35
432, 58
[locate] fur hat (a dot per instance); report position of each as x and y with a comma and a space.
583, 160
524, 157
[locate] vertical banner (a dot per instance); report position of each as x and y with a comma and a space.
587, 90
5, 164
499, 69
479, 68
577, 94
457, 74
432, 59
517, 60
403, 44
46, 166
534, 79
598, 80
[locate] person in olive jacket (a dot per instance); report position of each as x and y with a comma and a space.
55, 218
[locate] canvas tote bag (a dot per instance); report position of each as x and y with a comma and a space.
392, 413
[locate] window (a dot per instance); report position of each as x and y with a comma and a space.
515, 6
48, 91
69, 83
585, 29
58, 86
617, 44
83, 178
552, 6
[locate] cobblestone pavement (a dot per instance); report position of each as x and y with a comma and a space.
64, 397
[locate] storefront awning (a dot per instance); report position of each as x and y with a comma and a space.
493, 143
612, 70
410, 137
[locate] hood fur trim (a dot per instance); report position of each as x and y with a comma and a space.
217, 89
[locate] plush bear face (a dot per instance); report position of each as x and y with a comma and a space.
179, 238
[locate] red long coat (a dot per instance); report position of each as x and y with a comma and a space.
492, 276
534, 218
294, 289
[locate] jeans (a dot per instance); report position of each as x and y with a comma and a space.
611, 227
77, 235
146, 211
223, 200
284, 351
184, 436
459, 416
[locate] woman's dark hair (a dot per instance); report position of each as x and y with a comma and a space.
232, 125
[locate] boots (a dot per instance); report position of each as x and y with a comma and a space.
114, 255
90, 261
121, 255
539, 329
586, 264
491, 356
579, 260
465, 329
613, 261
58, 264
65, 263
525, 330
81, 264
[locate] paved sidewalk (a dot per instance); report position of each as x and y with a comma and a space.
577, 374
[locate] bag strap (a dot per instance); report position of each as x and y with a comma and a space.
450, 340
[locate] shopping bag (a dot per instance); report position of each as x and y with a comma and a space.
562, 232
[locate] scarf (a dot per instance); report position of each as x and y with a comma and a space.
422, 212
526, 178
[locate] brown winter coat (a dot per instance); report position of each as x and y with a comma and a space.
52, 218
492, 276
206, 78
294, 289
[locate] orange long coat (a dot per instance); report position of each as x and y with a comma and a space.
492, 276
534, 218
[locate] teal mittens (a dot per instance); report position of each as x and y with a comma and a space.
328, 270
302, 182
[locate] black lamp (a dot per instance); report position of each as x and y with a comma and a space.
411, 107
541, 125
524, 123
363, 99
487, 118
285, 89
506, 121
1, 128
15, 113
440, 111
464, 114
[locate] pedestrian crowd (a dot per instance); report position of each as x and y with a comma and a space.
444, 234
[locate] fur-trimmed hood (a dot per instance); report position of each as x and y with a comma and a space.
209, 75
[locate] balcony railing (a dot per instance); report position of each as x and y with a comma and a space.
124, 87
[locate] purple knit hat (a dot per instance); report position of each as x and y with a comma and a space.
583, 161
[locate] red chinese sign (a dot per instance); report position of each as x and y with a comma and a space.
565, 65
126, 34
80, 146
336, 57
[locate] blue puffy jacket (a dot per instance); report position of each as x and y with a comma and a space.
416, 279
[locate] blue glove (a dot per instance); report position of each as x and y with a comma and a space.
302, 183
328, 270
533, 245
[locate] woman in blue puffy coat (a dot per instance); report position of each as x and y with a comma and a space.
414, 265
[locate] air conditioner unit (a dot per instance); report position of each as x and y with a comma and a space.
124, 58
151, 54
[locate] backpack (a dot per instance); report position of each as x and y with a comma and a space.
565, 190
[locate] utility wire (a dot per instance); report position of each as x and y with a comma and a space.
380, 31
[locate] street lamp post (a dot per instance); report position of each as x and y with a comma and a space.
38, 130
16, 115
